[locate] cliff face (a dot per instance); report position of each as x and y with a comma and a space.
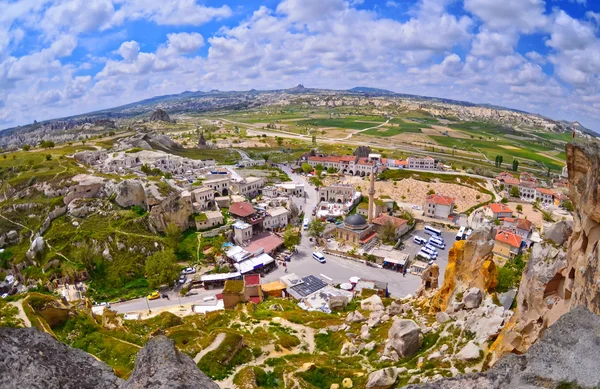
33, 359
556, 281
566, 353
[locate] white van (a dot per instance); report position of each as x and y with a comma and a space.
319, 257
437, 244
418, 240
429, 252
469, 232
423, 255
437, 240
430, 247
305, 225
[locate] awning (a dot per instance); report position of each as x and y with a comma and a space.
396, 261
219, 277
273, 286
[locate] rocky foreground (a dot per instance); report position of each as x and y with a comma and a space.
566, 354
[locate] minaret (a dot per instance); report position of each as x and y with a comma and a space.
371, 198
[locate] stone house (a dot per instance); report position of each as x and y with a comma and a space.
401, 225
208, 220
337, 193
507, 244
420, 163
438, 206
545, 195
203, 198
276, 218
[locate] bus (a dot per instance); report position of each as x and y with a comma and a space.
429, 252
438, 244
460, 234
432, 231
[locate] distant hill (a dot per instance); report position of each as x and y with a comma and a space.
366, 89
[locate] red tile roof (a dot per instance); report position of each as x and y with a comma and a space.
499, 208
545, 191
510, 180
347, 158
255, 299
384, 219
242, 209
504, 175
252, 279
267, 242
403, 162
524, 224
508, 237
325, 159
439, 199
527, 184
368, 238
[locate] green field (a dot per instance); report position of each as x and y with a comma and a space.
524, 150
349, 123
565, 136
391, 131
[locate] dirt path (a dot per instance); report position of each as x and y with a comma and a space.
216, 343
19, 305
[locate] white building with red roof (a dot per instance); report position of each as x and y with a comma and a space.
438, 206
545, 195
347, 164
497, 211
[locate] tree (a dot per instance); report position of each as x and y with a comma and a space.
306, 168
279, 141
217, 245
291, 238
332, 170
519, 208
161, 268
243, 133
568, 205
314, 139
514, 192
47, 144
430, 192
319, 169
504, 200
316, 181
48, 157
265, 156
515, 165
388, 232
173, 233
316, 227
26, 147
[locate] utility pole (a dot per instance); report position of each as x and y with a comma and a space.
148, 303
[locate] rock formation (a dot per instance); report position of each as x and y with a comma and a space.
202, 141
404, 337
129, 193
566, 354
555, 282
160, 115
30, 358
160, 365
175, 209
362, 151
470, 264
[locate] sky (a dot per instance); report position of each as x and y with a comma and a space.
61, 58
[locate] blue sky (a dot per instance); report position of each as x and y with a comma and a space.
60, 58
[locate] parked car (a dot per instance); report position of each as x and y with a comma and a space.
188, 270
319, 257
182, 279
154, 295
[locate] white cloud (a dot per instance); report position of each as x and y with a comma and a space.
521, 15
77, 15
129, 50
492, 44
184, 43
168, 12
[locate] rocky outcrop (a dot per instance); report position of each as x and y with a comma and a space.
33, 359
30, 358
36, 247
175, 209
362, 151
559, 233
384, 378
538, 303
87, 186
470, 265
554, 282
566, 353
130, 193
160, 365
472, 298
160, 115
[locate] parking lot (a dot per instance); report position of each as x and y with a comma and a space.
413, 248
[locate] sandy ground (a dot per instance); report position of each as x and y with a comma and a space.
415, 191
222, 144
528, 211
509, 147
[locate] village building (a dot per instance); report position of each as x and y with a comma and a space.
219, 183
544, 195
233, 293
380, 287
355, 230
249, 186
208, 219
394, 163
252, 289
277, 218
246, 162
242, 232
285, 189
349, 164
520, 226
497, 211
507, 244
337, 193
438, 206
420, 163
203, 198
400, 225
527, 190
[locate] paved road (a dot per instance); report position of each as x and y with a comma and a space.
141, 304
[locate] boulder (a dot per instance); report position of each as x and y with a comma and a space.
375, 318
469, 352
130, 193
382, 379
12, 235
472, 298
507, 298
559, 233
355, 317
348, 349
372, 303
37, 246
442, 317
364, 332
347, 383
160, 365
160, 115
396, 308
338, 303
405, 337
370, 346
